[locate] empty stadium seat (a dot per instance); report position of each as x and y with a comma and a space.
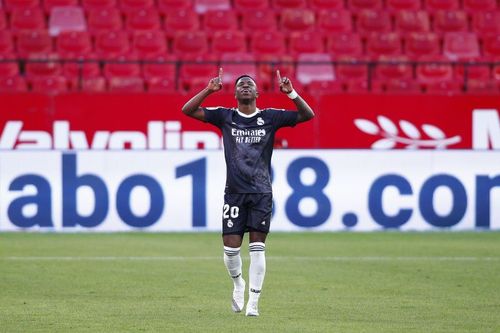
461, 46
472, 71
268, 42
247, 6
352, 70
446, 87
395, 6
344, 44
73, 42
479, 87
373, 21
6, 42
486, 23
27, 19
81, 66
203, 6
146, 19
491, 47
181, 20
197, 68
326, 5
11, 5
43, 65
104, 20
122, 66
235, 65
149, 43
418, 45
8, 65
67, 18
475, 6
258, 20
169, 6
319, 88
434, 70
407, 22
220, 20
268, 64
297, 20
393, 68
308, 42
160, 67
385, 44
91, 5
132, 6
334, 21
160, 86
126, 84
450, 21
52, 85
49, 4
109, 45
401, 86
280, 5
35, 41
361, 5
433, 6
14, 84
187, 43
90, 85
3, 20
229, 41
314, 67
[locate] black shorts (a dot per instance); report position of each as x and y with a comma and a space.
244, 212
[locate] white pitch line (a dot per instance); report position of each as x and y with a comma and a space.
280, 258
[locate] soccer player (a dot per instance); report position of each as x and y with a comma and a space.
248, 135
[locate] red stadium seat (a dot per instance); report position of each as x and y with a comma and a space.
187, 43
434, 70
280, 5
104, 20
235, 65
259, 20
49, 4
51, 85
73, 42
169, 6
160, 86
204, 6
132, 6
14, 84
6, 42
122, 66
45, 65
450, 21
433, 6
268, 64
496, 73
27, 19
418, 45
8, 65
407, 22
361, 5
181, 20
326, 5
393, 68
401, 86
314, 67
198, 68
395, 6
385, 44
91, 5
11, 5
90, 85
220, 20
486, 23
67, 18
35, 41
472, 71
161, 67
319, 88
307, 42
228, 42
297, 20
449, 87
344, 44
352, 70
461, 46
110, 45
247, 6
126, 84
491, 47
149, 43
3, 20
334, 21
81, 66
357, 87
143, 20
371, 21
475, 6
268, 42
479, 87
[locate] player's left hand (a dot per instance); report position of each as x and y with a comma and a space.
285, 83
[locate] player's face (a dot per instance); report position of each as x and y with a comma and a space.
246, 89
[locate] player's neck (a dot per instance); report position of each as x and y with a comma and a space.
247, 108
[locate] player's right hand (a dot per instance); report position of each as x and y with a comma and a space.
215, 84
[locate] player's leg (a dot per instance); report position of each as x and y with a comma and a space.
260, 218
233, 228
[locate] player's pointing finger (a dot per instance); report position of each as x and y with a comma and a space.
279, 76
220, 74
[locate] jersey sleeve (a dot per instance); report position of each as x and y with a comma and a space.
283, 118
214, 115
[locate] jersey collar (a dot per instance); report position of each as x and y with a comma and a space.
257, 110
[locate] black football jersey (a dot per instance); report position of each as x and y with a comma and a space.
248, 145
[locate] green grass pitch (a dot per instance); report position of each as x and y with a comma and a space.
315, 282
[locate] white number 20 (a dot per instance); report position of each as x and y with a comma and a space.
234, 211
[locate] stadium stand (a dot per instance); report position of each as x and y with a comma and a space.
392, 46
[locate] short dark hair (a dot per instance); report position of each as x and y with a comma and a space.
242, 76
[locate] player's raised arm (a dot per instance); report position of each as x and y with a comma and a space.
193, 107
304, 110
